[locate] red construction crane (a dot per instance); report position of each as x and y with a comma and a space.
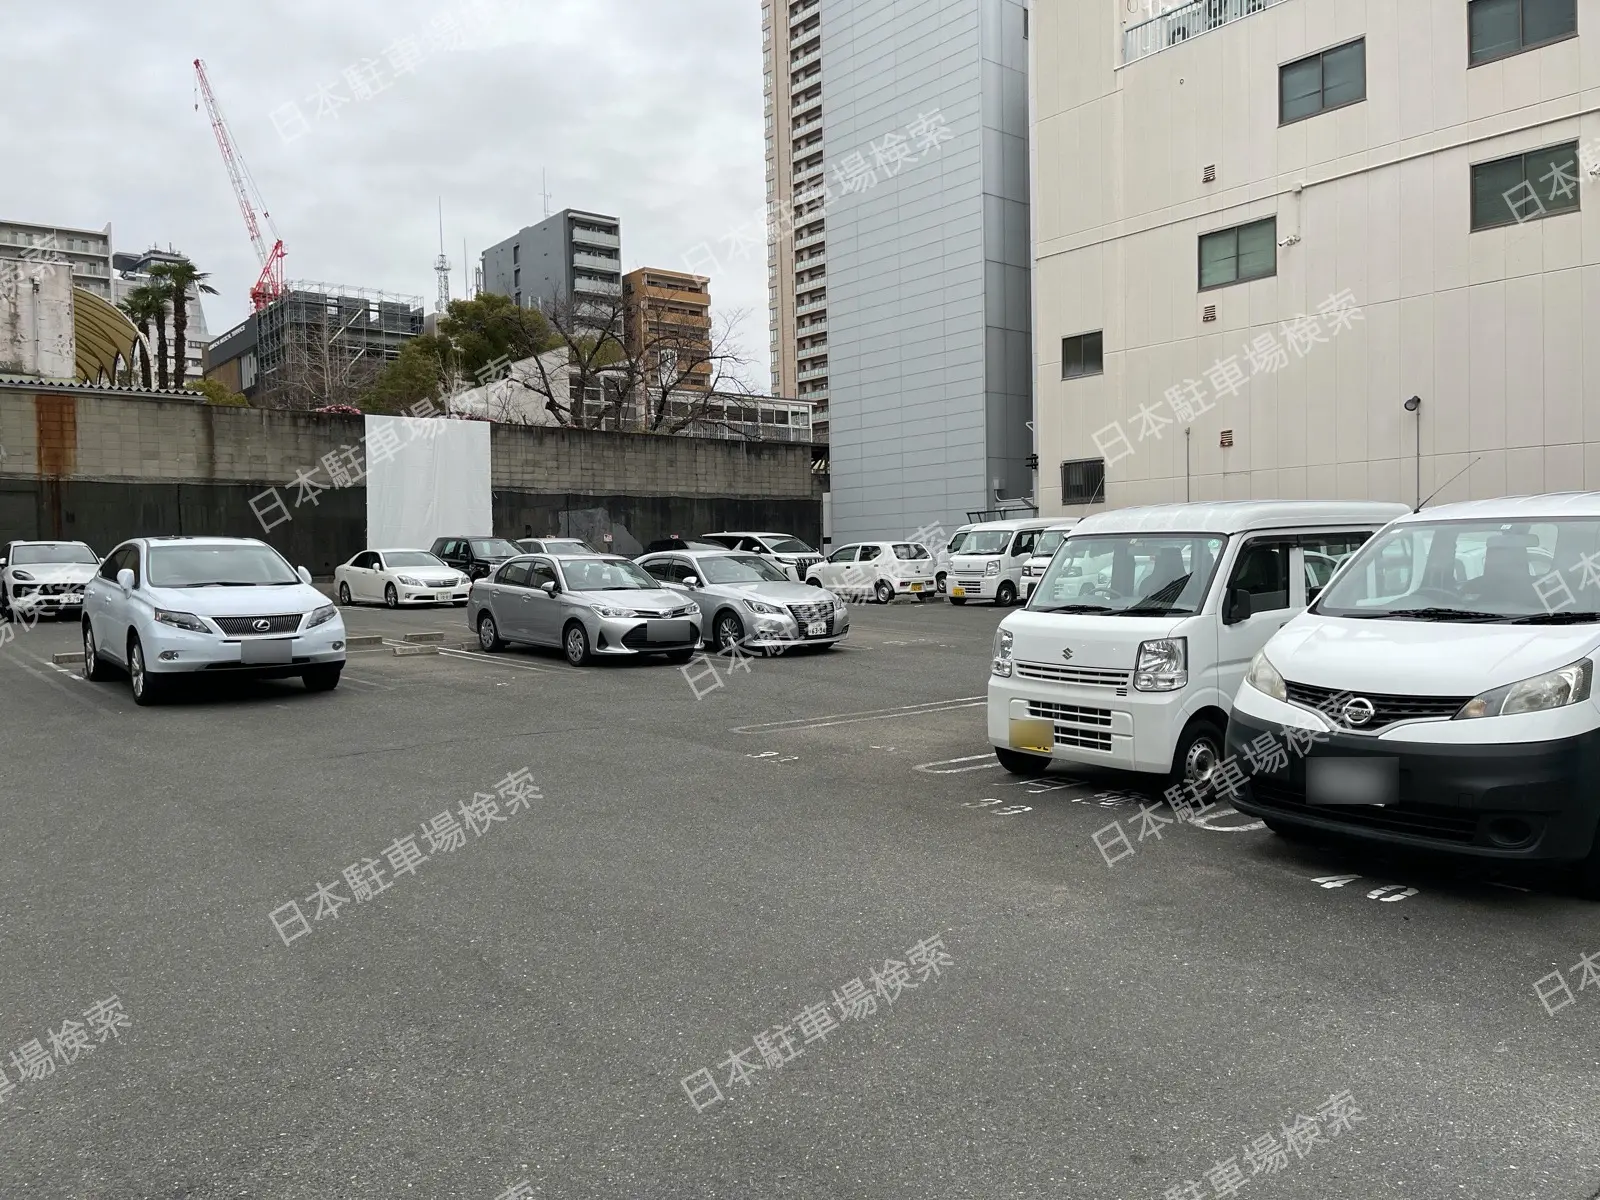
269, 286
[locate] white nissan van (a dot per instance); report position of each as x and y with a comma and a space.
1443, 688
988, 566
1138, 635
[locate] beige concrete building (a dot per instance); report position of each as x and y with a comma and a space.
667, 315
1261, 227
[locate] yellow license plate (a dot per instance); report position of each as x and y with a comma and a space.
916, 587
956, 591
1028, 733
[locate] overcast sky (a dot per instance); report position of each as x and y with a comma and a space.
649, 110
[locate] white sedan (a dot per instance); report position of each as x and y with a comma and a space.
399, 577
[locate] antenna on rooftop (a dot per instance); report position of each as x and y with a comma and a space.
441, 266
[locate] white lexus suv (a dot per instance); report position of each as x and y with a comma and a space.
161, 607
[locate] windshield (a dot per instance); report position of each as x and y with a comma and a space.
1160, 575
603, 575
54, 554
957, 541
783, 544
218, 566
1049, 542
567, 546
742, 568
493, 548
911, 551
1533, 572
985, 541
411, 558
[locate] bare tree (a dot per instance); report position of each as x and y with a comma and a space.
319, 368
686, 374
595, 382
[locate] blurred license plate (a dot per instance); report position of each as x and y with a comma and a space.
955, 590
278, 650
916, 587
676, 632
816, 629
1352, 780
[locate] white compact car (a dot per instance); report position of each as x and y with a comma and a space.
164, 607
1043, 551
988, 566
400, 577
1140, 631
39, 578
879, 570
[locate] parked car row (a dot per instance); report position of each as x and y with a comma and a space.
1349, 671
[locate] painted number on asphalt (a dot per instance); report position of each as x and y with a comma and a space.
1006, 811
1388, 893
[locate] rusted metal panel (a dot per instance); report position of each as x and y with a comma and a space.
55, 420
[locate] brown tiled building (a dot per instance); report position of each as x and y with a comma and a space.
666, 312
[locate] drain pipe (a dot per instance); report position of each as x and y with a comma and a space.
1187, 430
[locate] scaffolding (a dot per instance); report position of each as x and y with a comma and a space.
320, 321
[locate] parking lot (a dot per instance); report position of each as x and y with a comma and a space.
536, 1003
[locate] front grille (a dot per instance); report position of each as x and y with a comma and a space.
1418, 820
638, 638
1074, 713
813, 612
802, 565
1387, 710
60, 589
1098, 677
246, 626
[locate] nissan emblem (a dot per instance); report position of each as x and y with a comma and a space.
1358, 712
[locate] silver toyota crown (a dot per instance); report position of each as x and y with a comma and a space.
750, 600
590, 606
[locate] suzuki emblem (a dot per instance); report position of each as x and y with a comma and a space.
261, 625
1358, 711
1066, 653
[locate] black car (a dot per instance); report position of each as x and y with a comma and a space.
475, 557
678, 543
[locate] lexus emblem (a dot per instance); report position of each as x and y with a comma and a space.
261, 625
1358, 712
1066, 653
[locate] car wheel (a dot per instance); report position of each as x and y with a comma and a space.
1006, 594
1198, 752
322, 679
575, 643
94, 667
939, 582
390, 596
883, 591
146, 689
1019, 763
344, 595
958, 600
680, 656
489, 634
728, 631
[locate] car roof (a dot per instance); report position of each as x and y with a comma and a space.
1013, 524
195, 540
1238, 516
1514, 508
47, 542
396, 550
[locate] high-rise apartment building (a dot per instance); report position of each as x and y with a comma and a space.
897, 167
1315, 248
87, 250
667, 315
575, 255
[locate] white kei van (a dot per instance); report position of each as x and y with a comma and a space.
1140, 632
1043, 551
1445, 683
988, 566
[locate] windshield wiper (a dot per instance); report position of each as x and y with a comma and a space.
1159, 603
1076, 608
217, 583
1439, 614
1562, 617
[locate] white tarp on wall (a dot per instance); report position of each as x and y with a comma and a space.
426, 478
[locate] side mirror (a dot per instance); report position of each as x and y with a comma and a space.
125, 579
551, 588
1238, 607
305, 575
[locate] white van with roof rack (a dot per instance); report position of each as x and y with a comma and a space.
988, 565
1139, 633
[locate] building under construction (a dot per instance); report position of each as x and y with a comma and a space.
315, 344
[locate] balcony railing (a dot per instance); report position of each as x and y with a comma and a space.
811, 306
796, 15
595, 262
800, 131
1183, 21
594, 237
585, 284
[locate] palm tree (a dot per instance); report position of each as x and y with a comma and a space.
179, 277
146, 304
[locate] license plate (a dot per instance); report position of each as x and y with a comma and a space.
816, 629
675, 632
1030, 733
956, 590
1374, 781
277, 650
916, 587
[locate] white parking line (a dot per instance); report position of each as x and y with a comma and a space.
494, 658
871, 714
949, 766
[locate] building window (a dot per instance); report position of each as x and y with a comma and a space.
516, 277
516, 253
1083, 481
1081, 355
1540, 183
1322, 81
1024, 21
1237, 254
1498, 28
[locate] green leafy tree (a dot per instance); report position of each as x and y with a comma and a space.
178, 277
418, 374
145, 305
216, 392
492, 327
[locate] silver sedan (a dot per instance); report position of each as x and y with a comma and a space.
589, 606
750, 601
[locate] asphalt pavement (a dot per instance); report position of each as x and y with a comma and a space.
638, 956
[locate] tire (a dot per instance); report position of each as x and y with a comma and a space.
726, 631
344, 595
1197, 753
883, 591
391, 598
94, 667
1006, 594
147, 689
322, 679
958, 600
940, 584
575, 643
1019, 763
680, 656
489, 634
814, 581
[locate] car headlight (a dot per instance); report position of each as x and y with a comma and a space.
839, 604
321, 615
607, 610
761, 606
22, 575
1553, 689
1001, 665
1162, 665
410, 582
992, 567
181, 620
1264, 677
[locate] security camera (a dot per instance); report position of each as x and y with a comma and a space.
1290, 240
